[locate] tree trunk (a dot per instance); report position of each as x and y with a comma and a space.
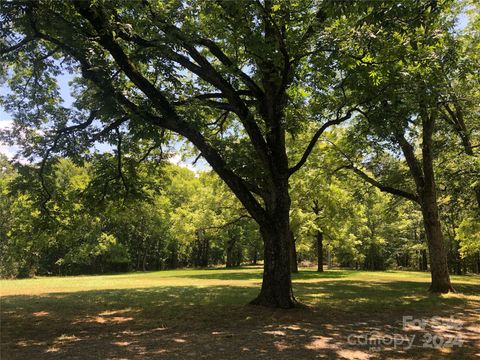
436, 247
277, 284
320, 251
424, 177
478, 263
238, 257
456, 258
144, 261
230, 243
202, 249
319, 235
206, 251
138, 261
158, 260
173, 261
293, 254
431, 219
424, 260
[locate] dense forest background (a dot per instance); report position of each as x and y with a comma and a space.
156, 215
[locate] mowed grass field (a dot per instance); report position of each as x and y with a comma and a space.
203, 314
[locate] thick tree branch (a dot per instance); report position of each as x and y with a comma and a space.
383, 187
315, 138
225, 60
413, 163
208, 96
455, 118
106, 39
113, 126
372, 181
239, 186
205, 70
214, 49
8, 49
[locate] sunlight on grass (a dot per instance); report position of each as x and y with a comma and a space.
242, 277
55, 314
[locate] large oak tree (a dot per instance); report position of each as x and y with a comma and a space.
224, 74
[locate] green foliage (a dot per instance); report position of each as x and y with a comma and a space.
468, 234
72, 232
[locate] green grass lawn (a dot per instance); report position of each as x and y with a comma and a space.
203, 314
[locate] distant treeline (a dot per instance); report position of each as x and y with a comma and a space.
89, 219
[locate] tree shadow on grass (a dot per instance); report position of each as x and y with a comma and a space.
370, 297
240, 274
214, 322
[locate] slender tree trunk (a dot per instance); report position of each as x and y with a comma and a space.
174, 257
436, 247
144, 261
320, 251
478, 263
138, 261
319, 236
433, 230
158, 261
424, 253
206, 251
457, 259
424, 177
458, 267
230, 244
424, 260
238, 257
293, 254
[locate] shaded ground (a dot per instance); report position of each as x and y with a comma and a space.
202, 314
